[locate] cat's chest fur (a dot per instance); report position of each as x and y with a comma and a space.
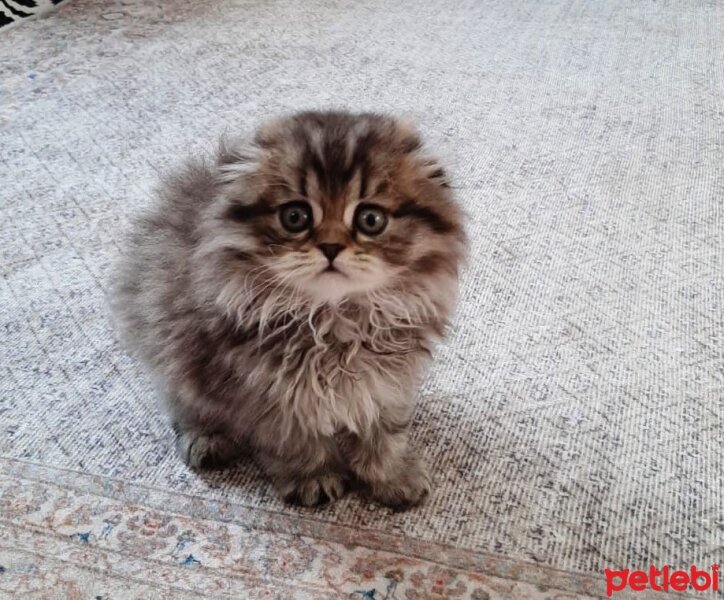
335, 374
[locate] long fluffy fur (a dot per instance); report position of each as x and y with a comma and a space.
252, 347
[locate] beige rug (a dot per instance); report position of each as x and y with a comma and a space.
574, 417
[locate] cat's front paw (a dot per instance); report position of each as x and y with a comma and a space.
206, 451
314, 491
408, 488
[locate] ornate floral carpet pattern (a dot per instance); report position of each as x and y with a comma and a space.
572, 419
91, 537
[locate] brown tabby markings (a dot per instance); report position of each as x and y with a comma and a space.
260, 340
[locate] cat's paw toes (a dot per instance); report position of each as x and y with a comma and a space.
409, 488
206, 451
315, 491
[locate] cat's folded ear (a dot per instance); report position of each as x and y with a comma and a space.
407, 135
236, 157
409, 138
432, 170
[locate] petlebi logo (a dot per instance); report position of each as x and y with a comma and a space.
664, 580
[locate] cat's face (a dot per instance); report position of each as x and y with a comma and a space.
338, 206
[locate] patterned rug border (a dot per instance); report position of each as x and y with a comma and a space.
90, 555
272, 521
29, 555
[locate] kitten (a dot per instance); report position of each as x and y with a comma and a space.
287, 296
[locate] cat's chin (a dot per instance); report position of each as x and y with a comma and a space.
332, 287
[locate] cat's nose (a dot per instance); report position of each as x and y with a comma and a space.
331, 250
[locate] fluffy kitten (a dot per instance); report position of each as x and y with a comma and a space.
287, 296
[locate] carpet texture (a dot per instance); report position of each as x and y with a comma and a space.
572, 419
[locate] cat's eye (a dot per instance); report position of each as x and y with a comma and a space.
295, 216
370, 219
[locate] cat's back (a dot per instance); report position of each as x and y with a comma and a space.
150, 286
174, 216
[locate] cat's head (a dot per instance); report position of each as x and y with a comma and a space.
336, 206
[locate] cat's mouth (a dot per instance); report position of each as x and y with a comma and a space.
331, 269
